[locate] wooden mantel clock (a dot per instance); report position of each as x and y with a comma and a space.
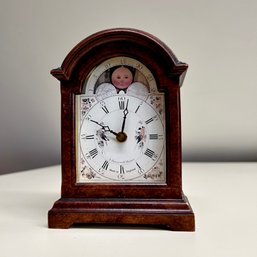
121, 133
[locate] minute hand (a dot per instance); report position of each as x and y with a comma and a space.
125, 113
105, 128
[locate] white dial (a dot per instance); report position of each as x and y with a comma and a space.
122, 139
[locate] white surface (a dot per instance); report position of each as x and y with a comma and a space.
223, 197
216, 38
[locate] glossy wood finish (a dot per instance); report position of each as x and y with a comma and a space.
118, 203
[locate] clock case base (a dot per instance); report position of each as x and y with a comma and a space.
174, 214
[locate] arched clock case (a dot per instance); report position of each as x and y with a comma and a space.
121, 134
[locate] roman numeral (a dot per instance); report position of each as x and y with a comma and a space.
89, 137
137, 108
93, 153
149, 153
104, 108
122, 104
153, 136
105, 165
122, 171
140, 170
149, 120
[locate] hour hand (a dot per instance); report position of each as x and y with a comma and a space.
105, 128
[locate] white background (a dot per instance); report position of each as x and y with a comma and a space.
218, 39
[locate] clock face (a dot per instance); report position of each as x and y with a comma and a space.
120, 128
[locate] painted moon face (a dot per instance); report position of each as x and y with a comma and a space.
122, 77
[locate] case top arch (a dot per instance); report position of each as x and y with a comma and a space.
128, 35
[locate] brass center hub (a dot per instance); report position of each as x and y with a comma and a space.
121, 137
